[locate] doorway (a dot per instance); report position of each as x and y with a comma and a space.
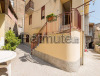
66, 13
27, 38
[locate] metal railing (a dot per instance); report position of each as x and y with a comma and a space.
30, 4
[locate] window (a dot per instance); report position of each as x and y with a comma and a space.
43, 12
30, 19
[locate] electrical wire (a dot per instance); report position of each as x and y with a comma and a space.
42, 6
95, 17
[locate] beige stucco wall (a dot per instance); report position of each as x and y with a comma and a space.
37, 23
11, 23
5, 23
76, 3
60, 51
50, 7
8, 23
2, 29
67, 52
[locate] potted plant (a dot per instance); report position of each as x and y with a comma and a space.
51, 17
11, 41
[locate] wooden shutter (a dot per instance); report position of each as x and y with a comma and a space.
43, 12
30, 19
0, 8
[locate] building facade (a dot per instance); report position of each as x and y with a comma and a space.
96, 33
8, 20
19, 8
66, 21
90, 37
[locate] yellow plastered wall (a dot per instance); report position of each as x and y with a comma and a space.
9, 23
37, 23
50, 7
61, 51
64, 51
86, 8
76, 3
2, 25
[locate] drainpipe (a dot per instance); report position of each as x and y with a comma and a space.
24, 16
83, 38
23, 21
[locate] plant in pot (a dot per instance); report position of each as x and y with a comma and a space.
51, 17
11, 41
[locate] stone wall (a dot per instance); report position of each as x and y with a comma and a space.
61, 64
96, 33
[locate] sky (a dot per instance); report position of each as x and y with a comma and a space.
95, 16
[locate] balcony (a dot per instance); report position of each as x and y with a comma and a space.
29, 7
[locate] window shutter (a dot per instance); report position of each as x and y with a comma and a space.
43, 12
30, 19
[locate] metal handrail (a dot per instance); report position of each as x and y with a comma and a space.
30, 4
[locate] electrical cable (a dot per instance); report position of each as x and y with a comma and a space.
42, 6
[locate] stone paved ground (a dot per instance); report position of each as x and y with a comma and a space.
25, 65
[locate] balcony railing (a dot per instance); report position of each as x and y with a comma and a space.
29, 7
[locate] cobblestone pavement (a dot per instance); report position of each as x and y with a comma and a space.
25, 65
